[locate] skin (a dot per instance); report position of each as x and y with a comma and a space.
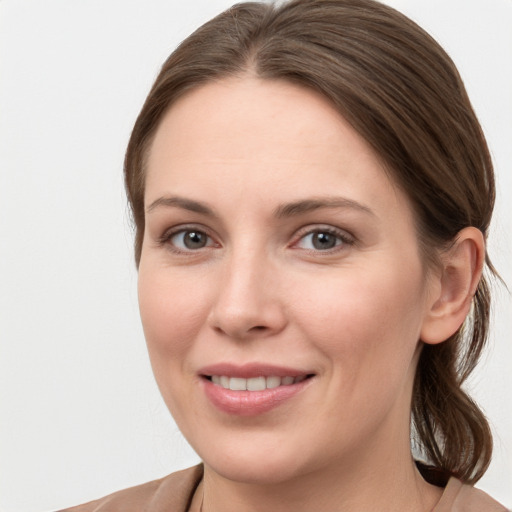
260, 291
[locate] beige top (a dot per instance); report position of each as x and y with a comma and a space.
174, 492
458, 497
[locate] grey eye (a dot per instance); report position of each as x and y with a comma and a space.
190, 240
320, 241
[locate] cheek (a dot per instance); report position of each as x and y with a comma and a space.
172, 314
365, 317
172, 311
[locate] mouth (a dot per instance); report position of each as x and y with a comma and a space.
252, 389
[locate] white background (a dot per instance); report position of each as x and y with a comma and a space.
80, 413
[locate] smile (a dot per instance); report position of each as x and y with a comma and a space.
254, 383
252, 389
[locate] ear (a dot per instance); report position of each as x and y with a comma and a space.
454, 286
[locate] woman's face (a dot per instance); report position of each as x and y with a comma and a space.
278, 256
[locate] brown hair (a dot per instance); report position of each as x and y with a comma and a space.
402, 93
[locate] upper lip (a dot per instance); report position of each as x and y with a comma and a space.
249, 370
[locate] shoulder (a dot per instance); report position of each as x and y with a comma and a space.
459, 497
170, 494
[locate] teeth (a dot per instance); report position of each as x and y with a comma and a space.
273, 382
254, 383
237, 384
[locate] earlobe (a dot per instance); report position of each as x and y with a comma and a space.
455, 286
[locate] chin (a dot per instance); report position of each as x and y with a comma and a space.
262, 472
254, 462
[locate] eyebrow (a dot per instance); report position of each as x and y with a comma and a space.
309, 205
181, 202
282, 211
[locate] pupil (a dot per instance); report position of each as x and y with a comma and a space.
324, 241
194, 240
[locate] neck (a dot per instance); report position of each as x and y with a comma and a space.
375, 481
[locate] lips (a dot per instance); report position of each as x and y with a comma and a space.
251, 389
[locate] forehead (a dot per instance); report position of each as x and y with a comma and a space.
254, 113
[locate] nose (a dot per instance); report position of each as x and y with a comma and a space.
248, 302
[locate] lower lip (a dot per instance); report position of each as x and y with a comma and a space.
251, 403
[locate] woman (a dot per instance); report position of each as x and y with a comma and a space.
311, 193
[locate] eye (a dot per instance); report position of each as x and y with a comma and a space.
189, 240
323, 240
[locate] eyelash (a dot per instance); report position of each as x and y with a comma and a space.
343, 239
